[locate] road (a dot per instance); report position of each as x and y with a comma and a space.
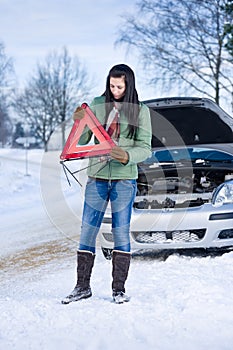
40, 214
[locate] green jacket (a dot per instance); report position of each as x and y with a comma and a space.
138, 148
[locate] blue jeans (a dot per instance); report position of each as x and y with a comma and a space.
121, 195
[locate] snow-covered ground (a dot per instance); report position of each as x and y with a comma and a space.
178, 303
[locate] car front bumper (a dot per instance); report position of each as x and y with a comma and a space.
199, 227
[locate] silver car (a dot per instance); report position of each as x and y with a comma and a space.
185, 190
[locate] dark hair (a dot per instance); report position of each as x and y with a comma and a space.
130, 105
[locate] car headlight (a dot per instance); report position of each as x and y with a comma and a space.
223, 194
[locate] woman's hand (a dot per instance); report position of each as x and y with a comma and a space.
119, 154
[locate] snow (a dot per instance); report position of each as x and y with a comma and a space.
177, 303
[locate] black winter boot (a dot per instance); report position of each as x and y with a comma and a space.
120, 268
82, 290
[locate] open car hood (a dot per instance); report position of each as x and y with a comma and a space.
190, 121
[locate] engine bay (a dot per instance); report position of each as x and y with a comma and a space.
172, 188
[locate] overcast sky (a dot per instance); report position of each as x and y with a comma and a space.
30, 29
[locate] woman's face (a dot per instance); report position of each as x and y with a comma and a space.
117, 87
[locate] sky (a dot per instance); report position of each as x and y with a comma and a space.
31, 29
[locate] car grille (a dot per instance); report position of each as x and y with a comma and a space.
156, 237
226, 234
168, 236
108, 236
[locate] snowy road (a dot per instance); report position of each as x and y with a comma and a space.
33, 208
178, 303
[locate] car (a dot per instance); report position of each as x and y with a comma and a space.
184, 195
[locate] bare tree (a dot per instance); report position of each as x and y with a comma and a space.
51, 95
6, 74
181, 44
6, 126
228, 8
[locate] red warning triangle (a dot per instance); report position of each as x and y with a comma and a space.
72, 150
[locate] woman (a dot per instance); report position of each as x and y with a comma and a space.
113, 180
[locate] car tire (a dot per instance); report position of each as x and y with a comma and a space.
107, 252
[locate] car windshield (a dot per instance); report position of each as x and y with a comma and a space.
189, 154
